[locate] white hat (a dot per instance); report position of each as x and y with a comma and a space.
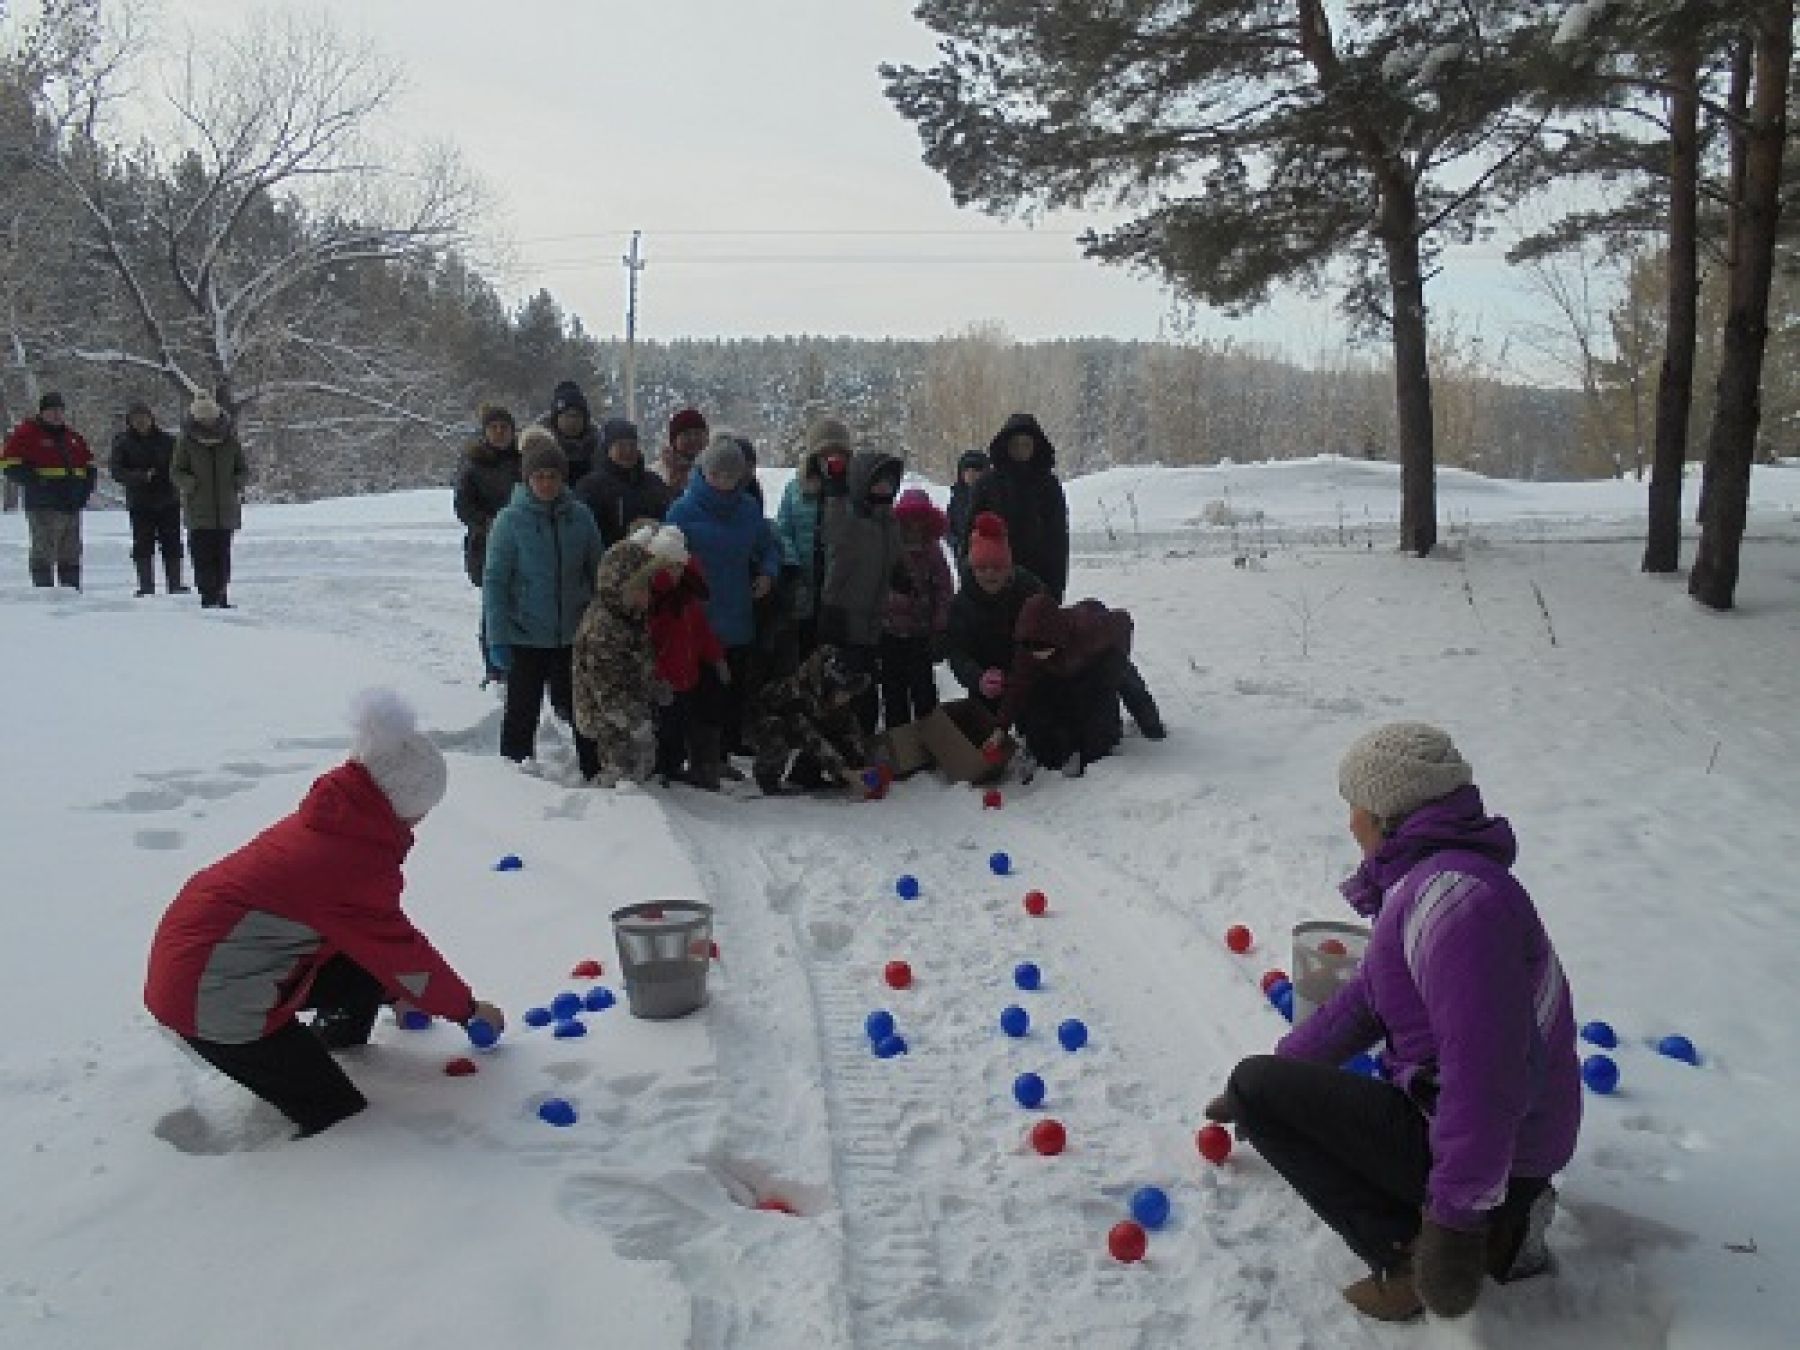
399, 757
1395, 769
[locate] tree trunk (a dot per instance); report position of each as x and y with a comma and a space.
1732, 445
1412, 388
1675, 384
1737, 104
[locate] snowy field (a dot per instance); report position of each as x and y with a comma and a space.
1644, 748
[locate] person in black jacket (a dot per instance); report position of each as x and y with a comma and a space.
140, 464
969, 471
1023, 490
621, 489
979, 641
485, 485
573, 422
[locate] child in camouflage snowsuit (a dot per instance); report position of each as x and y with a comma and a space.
806, 725
615, 664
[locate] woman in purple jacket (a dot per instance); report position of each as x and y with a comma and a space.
1441, 1173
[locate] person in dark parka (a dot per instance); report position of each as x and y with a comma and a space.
572, 422
1023, 490
622, 488
862, 549
490, 472
979, 639
141, 457
969, 470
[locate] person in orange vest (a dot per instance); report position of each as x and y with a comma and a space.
53, 466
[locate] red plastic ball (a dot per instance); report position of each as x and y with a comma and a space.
1127, 1241
897, 974
461, 1067
1332, 947
994, 754
1049, 1138
1214, 1143
1271, 978
1036, 902
991, 799
589, 969
774, 1204
1237, 937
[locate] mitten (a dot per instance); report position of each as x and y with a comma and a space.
1449, 1265
993, 682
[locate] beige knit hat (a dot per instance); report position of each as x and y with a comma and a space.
1395, 769
827, 433
538, 450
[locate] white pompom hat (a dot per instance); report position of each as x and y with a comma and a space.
401, 759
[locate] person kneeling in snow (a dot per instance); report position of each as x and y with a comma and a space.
307, 916
1070, 667
1482, 1098
811, 719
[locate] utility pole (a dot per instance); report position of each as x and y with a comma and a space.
633, 265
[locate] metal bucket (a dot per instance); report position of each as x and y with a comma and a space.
1319, 972
665, 950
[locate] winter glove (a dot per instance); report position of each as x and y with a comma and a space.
500, 657
1220, 1109
993, 682
1449, 1265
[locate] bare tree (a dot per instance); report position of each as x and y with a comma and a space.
237, 233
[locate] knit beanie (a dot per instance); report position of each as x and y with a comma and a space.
138, 405
827, 433
915, 507
568, 398
1393, 770
51, 400
539, 449
616, 429
493, 412
402, 760
666, 543
688, 419
988, 546
204, 411
722, 454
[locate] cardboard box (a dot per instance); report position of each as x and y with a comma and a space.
950, 736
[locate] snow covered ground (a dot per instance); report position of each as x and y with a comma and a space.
1644, 748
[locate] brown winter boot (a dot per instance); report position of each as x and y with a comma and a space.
1387, 1296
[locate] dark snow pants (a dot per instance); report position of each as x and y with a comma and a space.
535, 669
292, 1068
1358, 1151
157, 529
1066, 716
908, 681
211, 552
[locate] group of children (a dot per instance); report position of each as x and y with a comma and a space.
676, 628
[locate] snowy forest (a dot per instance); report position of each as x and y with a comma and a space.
271, 231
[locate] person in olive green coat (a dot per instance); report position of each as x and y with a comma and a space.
209, 470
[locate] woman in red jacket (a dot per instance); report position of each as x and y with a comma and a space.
307, 916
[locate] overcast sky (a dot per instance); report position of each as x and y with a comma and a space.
777, 189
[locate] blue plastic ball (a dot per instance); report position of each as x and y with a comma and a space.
879, 1024
1014, 1020
889, 1046
1678, 1047
1600, 1034
1284, 1001
538, 1017
1600, 1074
481, 1033
414, 1020
510, 863
556, 1111
1073, 1034
907, 888
599, 999
569, 1029
1028, 1091
1276, 990
871, 779
1150, 1206
1000, 864
1364, 1065
565, 1005
1027, 976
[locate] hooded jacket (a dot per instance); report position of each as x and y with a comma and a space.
210, 470
541, 562
980, 635
957, 515
52, 464
1030, 499
617, 496
613, 658
237, 951
141, 465
583, 450
727, 533
1082, 634
1462, 983
862, 548
680, 632
799, 521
